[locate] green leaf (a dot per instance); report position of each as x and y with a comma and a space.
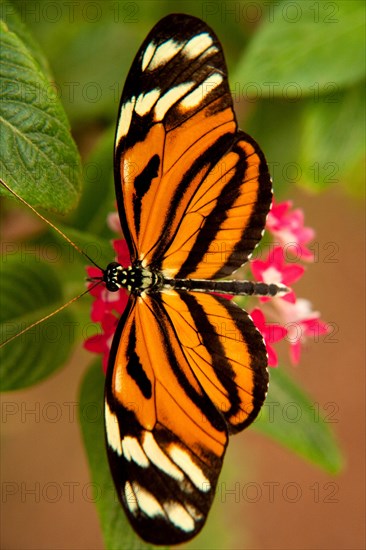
97, 50
9, 14
290, 417
117, 532
276, 125
30, 290
309, 143
98, 198
39, 159
334, 142
303, 45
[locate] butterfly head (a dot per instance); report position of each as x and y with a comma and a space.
114, 276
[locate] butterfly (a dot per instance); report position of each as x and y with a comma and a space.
187, 367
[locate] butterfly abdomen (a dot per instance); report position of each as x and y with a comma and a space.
233, 287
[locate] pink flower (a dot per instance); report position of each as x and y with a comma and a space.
271, 333
275, 270
288, 227
113, 222
101, 343
301, 323
123, 255
106, 301
107, 306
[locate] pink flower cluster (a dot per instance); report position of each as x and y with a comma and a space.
291, 318
107, 306
286, 317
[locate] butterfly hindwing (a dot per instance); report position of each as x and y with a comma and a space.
224, 350
171, 402
225, 218
165, 439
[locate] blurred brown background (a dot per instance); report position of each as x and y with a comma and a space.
46, 491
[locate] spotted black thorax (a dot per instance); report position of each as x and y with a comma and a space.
135, 279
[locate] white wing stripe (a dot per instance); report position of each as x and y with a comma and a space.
179, 516
196, 45
147, 502
130, 498
159, 458
132, 451
163, 53
112, 430
145, 102
198, 94
191, 469
149, 52
170, 98
125, 119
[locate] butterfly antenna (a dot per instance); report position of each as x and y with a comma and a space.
50, 224
2, 344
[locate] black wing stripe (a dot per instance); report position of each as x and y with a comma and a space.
135, 368
201, 166
142, 185
255, 228
245, 188
212, 343
214, 220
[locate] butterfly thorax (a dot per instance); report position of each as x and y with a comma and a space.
135, 279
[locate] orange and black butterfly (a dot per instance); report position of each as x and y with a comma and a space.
187, 367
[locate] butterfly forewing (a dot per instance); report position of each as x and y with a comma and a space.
224, 351
175, 108
186, 368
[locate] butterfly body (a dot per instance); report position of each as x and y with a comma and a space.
138, 279
187, 367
